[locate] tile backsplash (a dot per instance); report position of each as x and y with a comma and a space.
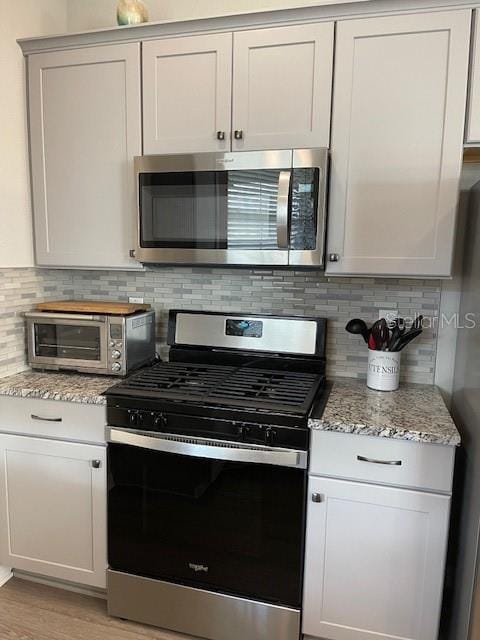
303, 293
20, 290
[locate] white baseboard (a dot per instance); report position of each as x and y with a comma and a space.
61, 584
5, 575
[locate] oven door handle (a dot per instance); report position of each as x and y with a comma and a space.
208, 448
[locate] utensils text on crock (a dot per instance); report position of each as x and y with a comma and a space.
358, 327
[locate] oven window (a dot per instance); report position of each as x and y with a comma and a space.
209, 209
232, 527
72, 342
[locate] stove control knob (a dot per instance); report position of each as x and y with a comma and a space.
116, 366
136, 419
116, 354
246, 430
111, 343
160, 421
270, 435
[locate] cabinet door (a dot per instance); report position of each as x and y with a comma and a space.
187, 94
374, 563
397, 135
53, 508
85, 129
282, 82
473, 119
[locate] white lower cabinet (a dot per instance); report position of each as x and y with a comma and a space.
53, 508
375, 558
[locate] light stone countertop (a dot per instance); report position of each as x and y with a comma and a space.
415, 412
69, 387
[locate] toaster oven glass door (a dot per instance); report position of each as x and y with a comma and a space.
69, 343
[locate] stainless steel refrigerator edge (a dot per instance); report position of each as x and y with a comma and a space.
465, 613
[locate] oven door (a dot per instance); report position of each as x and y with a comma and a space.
247, 208
67, 341
207, 514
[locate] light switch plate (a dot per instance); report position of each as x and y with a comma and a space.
389, 314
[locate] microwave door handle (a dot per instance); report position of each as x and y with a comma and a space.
282, 208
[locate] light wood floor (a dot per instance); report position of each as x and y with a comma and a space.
30, 611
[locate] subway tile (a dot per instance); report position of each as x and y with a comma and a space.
300, 293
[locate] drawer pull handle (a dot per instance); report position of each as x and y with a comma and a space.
96, 464
34, 417
392, 463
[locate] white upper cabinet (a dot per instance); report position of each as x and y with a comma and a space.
374, 564
397, 133
282, 80
85, 128
473, 118
53, 508
187, 94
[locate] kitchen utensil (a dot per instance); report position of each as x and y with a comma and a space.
358, 327
397, 331
417, 323
371, 343
407, 338
381, 334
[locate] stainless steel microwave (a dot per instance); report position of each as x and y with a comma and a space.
103, 344
240, 208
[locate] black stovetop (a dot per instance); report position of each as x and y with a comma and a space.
246, 398
241, 387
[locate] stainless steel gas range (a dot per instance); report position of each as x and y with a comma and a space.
207, 474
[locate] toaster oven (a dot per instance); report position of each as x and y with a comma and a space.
101, 344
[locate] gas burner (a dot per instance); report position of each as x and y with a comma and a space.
228, 384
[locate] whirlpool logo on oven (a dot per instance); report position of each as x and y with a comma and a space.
198, 567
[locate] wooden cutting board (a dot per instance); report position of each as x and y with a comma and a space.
92, 306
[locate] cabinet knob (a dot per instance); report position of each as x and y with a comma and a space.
317, 497
334, 257
131, 253
220, 135
96, 464
238, 134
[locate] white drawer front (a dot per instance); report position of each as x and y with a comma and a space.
53, 419
382, 460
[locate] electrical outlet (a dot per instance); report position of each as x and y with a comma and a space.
135, 300
389, 314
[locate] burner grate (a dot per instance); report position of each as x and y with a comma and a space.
245, 387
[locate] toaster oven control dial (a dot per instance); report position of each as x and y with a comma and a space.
116, 366
116, 354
